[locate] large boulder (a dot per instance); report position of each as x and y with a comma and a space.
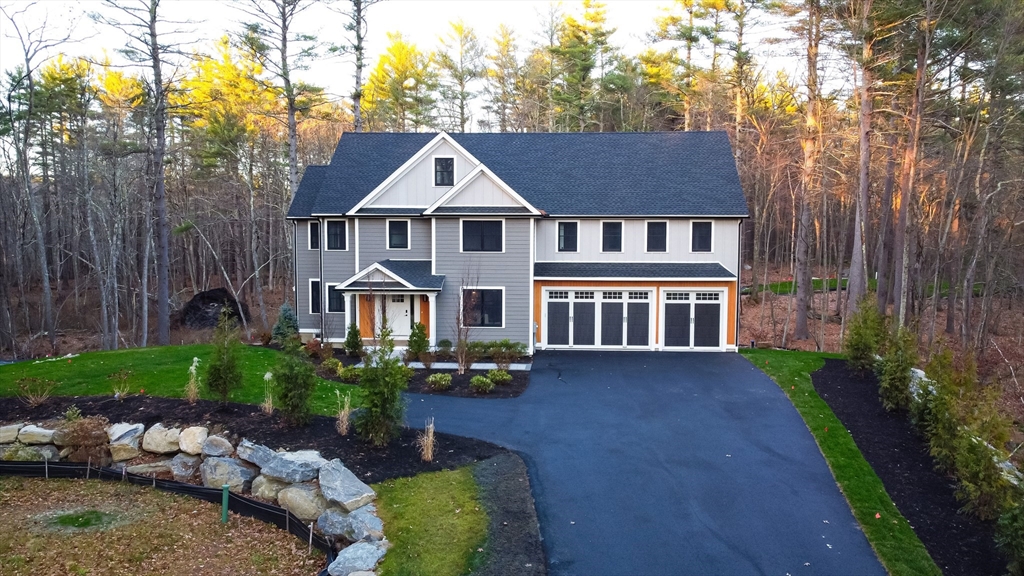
160, 440
185, 466
25, 453
191, 439
219, 471
9, 433
303, 500
340, 486
361, 556
33, 434
217, 446
150, 468
124, 440
292, 467
363, 524
263, 487
255, 453
203, 310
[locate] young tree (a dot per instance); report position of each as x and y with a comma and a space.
461, 62
383, 379
223, 371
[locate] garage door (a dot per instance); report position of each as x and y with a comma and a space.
693, 320
598, 318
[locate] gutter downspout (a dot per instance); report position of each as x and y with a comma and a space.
322, 244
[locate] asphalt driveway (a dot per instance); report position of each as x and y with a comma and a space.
666, 463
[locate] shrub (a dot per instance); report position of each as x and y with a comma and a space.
122, 383
481, 385
330, 366
353, 340
439, 381
72, 414
427, 358
265, 337
427, 442
864, 335
418, 343
295, 380
349, 374
313, 348
91, 431
383, 380
326, 351
18, 452
499, 377
505, 352
287, 325
983, 489
34, 391
1010, 535
444, 348
224, 373
192, 387
894, 380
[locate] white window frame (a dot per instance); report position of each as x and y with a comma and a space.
578, 229
408, 233
647, 224
309, 295
309, 235
327, 299
325, 245
462, 245
712, 251
433, 170
504, 308
622, 237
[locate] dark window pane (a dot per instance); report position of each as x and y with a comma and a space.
701, 237
566, 236
444, 171
314, 235
336, 235
657, 236
481, 235
612, 240
335, 299
314, 297
482, 307
398, 234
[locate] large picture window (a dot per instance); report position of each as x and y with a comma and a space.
481, 235
336, 235
335, 299
398, 234
567, 236
314, 235
444, 171
611, 236
700, 240
314, 297
657, 236
482, 307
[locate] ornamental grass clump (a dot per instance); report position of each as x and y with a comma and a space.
427, 442
268, 394
122, 384
383, 379
34, 391
294, 379
864, 336
192, 387
439, 381
894, 378
224, 372
344, 413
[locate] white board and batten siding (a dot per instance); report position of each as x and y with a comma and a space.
415, 188
482, 191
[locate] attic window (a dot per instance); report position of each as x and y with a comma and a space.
444, 171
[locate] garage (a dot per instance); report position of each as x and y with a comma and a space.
693, 320
598, 318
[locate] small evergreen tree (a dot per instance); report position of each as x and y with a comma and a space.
353, 340
418, 343
383, 379
287, 325
863, 337
223, 372
294, 380
894, 381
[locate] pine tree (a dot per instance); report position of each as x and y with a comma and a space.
287, 325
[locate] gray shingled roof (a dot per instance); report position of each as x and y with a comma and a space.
481, 210
563, 174
415, 272
631, 270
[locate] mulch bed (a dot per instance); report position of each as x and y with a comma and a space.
959, 543
514, 546
460, 384
400, 459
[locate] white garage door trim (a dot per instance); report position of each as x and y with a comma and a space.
723, 316
600, 294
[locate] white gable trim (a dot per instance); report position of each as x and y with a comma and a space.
383, 186
473, 175
376, 267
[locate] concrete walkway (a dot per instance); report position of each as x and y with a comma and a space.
666, 463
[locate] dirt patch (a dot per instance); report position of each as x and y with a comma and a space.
960, 544
514, 546
401, 458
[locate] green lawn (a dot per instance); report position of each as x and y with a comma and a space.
782, 288
895, 542
160, 371
435, 521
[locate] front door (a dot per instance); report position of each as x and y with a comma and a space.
397, 314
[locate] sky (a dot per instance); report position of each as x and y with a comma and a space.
421, 21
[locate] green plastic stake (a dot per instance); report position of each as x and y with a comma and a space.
224, 505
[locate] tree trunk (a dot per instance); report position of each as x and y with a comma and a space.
857, 285
809, 144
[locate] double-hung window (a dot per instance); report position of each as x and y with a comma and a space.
700, 236
482, 307
398, 234
568, 237
337, 235
444, 171
482, 235
611, 236
657, 236
335, 299
314, 297
314, 235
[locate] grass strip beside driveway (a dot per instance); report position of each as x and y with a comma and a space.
894, 541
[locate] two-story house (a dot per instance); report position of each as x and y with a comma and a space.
579, 240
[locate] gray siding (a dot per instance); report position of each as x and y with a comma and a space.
634, 243
338, 266
510, 270
416, 186
373, 241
